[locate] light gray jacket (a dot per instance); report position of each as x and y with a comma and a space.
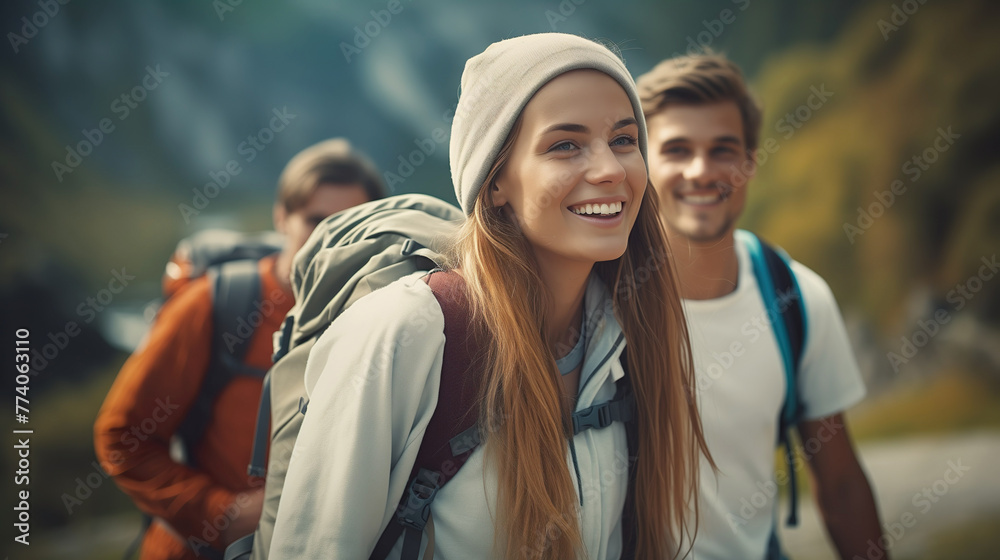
372, 380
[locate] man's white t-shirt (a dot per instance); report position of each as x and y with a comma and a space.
741, 388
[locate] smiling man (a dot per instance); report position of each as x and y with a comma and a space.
703, 133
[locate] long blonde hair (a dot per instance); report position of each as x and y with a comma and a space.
523, 418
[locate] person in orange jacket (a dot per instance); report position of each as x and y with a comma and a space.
200, 506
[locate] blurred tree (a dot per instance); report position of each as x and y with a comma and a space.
912, 110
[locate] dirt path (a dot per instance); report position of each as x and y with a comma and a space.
922, 485
959, 473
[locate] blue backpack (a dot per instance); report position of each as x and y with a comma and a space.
787, 313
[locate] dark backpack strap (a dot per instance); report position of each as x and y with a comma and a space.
450, 424
236, 295
136, 545
624, 392
262, 432
774, 547
283, 339
782, 299
235, 288
793, 319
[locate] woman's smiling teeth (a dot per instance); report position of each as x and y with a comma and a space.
607, 209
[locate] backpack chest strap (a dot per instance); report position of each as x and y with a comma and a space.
619, 409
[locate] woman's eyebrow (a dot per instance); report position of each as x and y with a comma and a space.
625, 122
570, 127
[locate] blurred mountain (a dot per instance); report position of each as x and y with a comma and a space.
384, 80
183, 88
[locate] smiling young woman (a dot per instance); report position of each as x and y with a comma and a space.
562, 248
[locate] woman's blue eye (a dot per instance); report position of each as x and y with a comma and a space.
624, 140
563, 147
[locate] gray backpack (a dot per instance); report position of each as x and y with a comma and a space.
348, 256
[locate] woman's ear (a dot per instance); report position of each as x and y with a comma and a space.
498, 195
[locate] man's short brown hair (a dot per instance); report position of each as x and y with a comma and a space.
699, 79
332, 161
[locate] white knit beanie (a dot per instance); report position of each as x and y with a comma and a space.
497, 84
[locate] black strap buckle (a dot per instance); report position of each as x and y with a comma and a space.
597, 416
620, 409
416, 509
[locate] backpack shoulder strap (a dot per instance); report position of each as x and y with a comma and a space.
261, 433
624, 391
451, 434
782, 300
235, 287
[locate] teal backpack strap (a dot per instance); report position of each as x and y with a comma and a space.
782, 300
240, 549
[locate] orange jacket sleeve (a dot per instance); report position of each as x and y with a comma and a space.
146, 404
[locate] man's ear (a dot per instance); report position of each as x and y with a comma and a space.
278, 215
750, 170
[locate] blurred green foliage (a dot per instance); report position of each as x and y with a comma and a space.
891, 95
952, 401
